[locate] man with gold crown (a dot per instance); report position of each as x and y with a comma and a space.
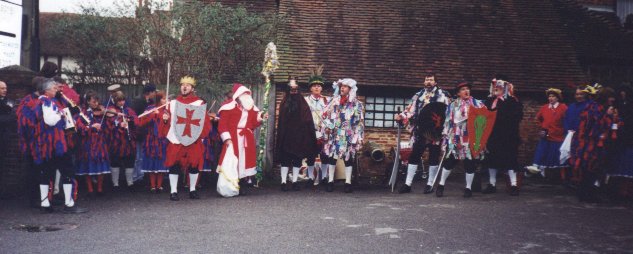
239, 119
185, 123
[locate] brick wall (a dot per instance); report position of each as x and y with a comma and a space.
13, 170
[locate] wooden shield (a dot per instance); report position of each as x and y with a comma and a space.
479, 127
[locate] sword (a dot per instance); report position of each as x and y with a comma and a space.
439, 167
396, 158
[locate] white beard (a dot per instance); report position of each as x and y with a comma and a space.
246, 100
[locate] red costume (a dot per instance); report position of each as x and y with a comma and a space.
190, 156
550, 118
238, 125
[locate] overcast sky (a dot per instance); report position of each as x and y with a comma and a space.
72, 5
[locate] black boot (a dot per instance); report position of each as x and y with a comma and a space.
174, 197
295, 187
74, 209
428, 189
47, 209
440, 191
329, 187
194, 195
514, 191
404, 189
468, 193
348, 188
284, 187
490, 189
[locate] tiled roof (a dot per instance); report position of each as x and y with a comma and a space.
394, 42
598, 37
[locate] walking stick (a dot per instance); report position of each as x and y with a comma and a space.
271, 63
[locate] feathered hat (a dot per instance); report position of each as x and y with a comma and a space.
316, 77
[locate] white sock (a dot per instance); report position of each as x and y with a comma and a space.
68, 194
348, 175
513, 177
284, 174
173, 183
445, 174
44, 195
493, 176
129, 174
330, 172
543, 172
311, 172
115, 176
295, 174
193, 179
58, 176
433, 170
469, 180
410, 173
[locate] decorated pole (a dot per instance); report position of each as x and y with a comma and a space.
271, 63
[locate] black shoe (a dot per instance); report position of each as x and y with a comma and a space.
174, 197
243, 189
309, 183
468, 193
194, 195
284, 187
159, 190
75, 209
47, 209
514, 191
295, 187
440, 191
428, 189
116, 189
100, 194
329, 187
348, 188
489, 189
92, 196
131, 188
404, 189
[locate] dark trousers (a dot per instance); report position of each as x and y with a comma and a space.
290, 160
63, 164
332, 161
469, 165
418, 149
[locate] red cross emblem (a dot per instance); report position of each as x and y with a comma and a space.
188, 121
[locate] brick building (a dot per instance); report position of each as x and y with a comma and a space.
387, 47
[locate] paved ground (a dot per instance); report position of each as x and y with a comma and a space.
544, 219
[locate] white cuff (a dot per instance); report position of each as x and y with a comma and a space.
225, 135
